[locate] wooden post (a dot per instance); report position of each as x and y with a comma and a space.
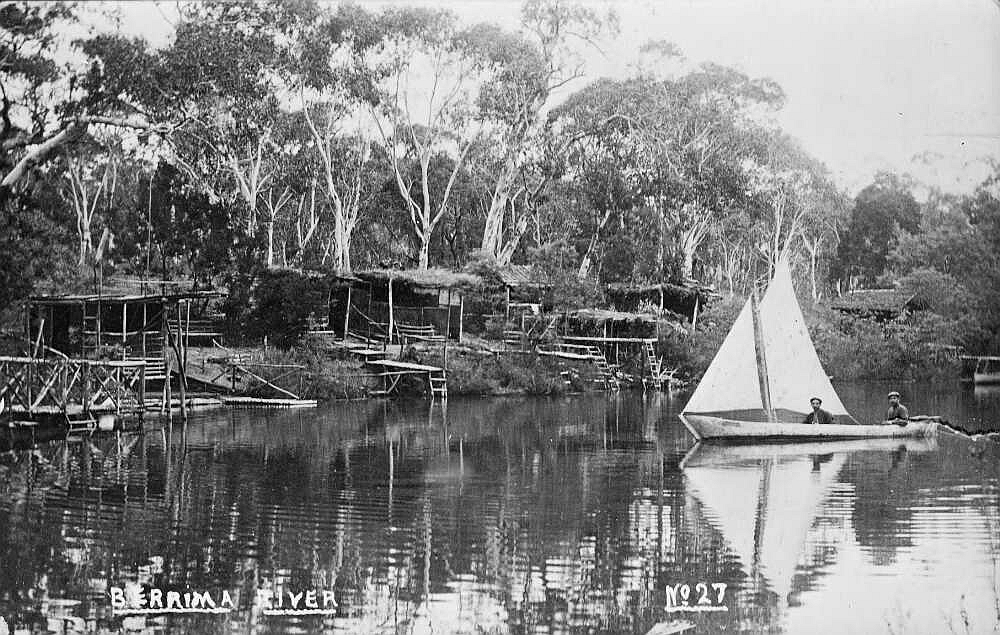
391, 322
347, 312
447, 334
31, 378
694, 315
758, 337
187, 335
124, 329
461, 316
178, 351
506, 317
369, 313
165, 352
142, 389
144, 322
85, 383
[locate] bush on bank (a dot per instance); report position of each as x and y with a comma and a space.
850, 348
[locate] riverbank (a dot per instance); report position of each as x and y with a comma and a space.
851, 349
330, 371
914, 348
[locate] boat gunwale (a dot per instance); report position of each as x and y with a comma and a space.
815, 432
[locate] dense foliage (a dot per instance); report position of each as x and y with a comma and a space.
337, 137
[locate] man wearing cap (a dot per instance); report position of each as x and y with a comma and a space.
818, 415
897, 412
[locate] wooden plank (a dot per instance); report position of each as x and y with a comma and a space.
261, 402
388, 363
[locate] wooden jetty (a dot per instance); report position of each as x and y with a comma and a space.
131, 321
584, 353
653, 373
78, 394
391, 371
226, 372
981, 369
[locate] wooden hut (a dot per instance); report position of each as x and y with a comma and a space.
400, 305
877, 304
150, 322
522, 289
688, 299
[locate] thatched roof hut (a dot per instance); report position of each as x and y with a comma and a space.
684, 299
881, 304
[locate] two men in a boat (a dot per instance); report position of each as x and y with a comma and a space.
897, 412
818, 415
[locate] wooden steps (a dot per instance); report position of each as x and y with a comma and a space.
655, 366
438, 383
418, 333
607, 373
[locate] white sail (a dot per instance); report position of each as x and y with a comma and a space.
794, 371
795, 374
730, 383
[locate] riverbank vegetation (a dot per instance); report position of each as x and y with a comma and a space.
265, 137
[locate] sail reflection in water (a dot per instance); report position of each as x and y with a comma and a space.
500, 516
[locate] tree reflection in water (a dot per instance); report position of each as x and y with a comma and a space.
502, 515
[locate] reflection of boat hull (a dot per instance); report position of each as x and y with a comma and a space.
986, 378
705, 454
708, 427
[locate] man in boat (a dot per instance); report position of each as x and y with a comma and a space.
818, 415
897, 412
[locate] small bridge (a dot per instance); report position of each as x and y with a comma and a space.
36, 388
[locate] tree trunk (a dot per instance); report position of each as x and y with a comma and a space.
270, 244
588, 257
425, 250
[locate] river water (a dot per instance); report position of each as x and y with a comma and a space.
582, 514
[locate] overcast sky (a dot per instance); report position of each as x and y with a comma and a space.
901, 85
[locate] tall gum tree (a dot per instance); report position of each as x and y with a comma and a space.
689, 136
426, 108
336, 88
526, 70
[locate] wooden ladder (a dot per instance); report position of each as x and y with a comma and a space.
81, 426
438, 383
655, 366
91, 328
607, 374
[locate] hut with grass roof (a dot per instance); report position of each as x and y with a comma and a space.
400, 305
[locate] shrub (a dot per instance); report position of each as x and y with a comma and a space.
282, 302
471, 374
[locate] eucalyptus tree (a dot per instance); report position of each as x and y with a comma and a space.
882, 211
215, 91
335, 84
681, 145
48, 99
526, 70
425, 108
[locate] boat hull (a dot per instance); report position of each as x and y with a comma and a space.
705, 427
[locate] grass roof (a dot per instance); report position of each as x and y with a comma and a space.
434, 278
875, 300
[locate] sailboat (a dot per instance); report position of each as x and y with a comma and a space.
761, 380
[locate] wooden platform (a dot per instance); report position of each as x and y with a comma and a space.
261, 402
392, 370
408, 366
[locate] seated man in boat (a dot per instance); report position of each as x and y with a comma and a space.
818, 415
897, 412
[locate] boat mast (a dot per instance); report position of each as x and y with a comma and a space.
758, 343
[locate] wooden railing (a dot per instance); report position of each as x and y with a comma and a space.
45, 385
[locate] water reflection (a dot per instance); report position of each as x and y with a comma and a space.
513, 515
